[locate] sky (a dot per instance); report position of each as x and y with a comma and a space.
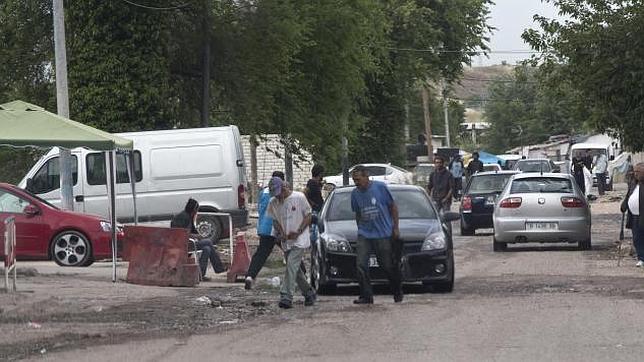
510, 18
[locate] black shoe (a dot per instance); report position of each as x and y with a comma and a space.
310, 300
398, 298
363, 301
285, 304
205, 279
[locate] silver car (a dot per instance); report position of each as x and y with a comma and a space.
543, 208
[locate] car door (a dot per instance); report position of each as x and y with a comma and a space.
31, 231
46, 182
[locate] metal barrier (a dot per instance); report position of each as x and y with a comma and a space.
230, 227
9, 253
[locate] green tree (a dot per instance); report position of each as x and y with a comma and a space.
601, 52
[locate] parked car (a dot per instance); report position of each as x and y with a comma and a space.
421, 174
510, 160
377, 171
536, 165
428, 255
542, 208
170, 166
44, 232
492, 167
479, 197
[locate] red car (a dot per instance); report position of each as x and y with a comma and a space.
45, 232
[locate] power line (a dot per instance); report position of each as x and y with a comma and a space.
431, 50
177, 7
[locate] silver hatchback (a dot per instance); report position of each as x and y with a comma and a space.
542, 208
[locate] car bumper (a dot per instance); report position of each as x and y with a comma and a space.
513, 230
416, 267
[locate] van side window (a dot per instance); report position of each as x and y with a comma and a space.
48, 177
96, 168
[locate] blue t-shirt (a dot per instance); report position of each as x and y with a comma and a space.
373, 205
264, 223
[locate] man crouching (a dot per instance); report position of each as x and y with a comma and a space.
291, 214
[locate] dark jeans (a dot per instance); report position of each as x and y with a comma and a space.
601, 182
458, 186
265, 248
208, 252
382, 248
638, 237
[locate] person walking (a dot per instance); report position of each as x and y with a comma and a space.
441, 185
376, 215
475, 165
632, 205
578, 173
186, 220
456, 168
601, 167
313, 193
266, 236
291, 214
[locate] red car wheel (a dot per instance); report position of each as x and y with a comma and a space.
71, 248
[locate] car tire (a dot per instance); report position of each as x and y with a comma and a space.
585, 245
498, 246
466, 231
209, 227
316, 277
71, 248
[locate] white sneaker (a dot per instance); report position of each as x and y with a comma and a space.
248, 283
639, 264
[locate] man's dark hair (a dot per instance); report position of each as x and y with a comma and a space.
475, 154
439, 157
317, 170
191, 206
279, 174
360, 169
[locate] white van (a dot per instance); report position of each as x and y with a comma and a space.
170, 166
591, 151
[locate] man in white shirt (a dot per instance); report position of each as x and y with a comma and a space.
291, 214
632, 204
601, 167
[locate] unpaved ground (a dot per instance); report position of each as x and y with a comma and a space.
85, 309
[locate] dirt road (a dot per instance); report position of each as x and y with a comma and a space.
530, 303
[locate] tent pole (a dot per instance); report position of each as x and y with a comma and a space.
111, 190
130, 170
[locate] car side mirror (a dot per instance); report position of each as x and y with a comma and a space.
31, 210
451, 216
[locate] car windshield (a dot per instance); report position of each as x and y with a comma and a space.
533, 166
412, 204
541, 185
484, 184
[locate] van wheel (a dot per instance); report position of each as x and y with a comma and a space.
71, 248
209, 227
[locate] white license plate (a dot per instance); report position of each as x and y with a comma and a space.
373, 262
490, 200
541, 226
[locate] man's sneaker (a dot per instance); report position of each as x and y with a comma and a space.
309, 300
640, 263
363, 301
248, 283
285, 304
205, 279
398, 297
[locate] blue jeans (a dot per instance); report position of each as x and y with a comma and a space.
208, 252
638, 237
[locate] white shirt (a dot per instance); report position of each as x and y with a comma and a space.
634, 201
290, 213
601, 165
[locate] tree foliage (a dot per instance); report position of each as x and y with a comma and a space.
599, 51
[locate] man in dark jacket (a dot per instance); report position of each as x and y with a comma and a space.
185, 220
475, 165
632, 204
441, 185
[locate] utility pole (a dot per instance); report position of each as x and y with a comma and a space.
428, 123
62, 104
205, 67
446, 113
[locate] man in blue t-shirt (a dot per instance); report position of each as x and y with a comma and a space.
377, 219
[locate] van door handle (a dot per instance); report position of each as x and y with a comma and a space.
79, 198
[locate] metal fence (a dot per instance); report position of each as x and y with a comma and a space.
9, 253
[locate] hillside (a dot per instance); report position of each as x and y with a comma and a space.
473, 85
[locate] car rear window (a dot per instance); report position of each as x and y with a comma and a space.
411, 205
541, 185
488, 183
533, 166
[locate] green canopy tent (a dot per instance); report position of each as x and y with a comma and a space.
26, 125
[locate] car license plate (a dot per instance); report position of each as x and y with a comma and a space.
490, 200
373, 262
541, 226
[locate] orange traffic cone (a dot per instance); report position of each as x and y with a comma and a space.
241, 259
